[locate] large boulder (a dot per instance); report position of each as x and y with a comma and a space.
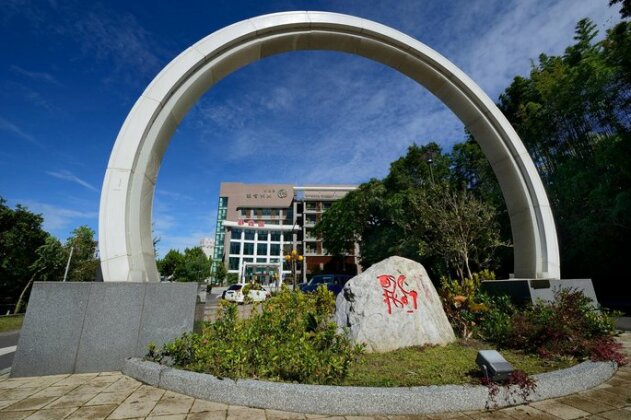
392, 305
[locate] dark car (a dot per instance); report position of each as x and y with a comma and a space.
334, 282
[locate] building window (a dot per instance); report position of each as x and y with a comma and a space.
267, 212
261, 260
249, 235
245, 212
248, 249
235, 248
263, 236
261, 249
274, 260
275, 236
274, 249
233, 263
223, 201
248, 260
235, 234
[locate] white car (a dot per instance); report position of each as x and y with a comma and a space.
234, 293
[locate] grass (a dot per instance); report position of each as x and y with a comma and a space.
11, 322
435, 365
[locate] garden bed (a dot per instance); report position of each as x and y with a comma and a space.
436, 365
349, 400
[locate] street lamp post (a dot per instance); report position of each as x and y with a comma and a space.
294, 258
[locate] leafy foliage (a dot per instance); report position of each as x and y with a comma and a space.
84, 263
573, 113
422, 211
21, 233
291, 339
193, 265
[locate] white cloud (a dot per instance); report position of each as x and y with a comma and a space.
69, 176
17, 131
36, 75
58, 218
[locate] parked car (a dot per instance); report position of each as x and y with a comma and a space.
234, 293
334, 282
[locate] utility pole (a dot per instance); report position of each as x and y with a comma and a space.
68, 263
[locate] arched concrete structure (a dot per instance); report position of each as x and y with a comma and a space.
125, 238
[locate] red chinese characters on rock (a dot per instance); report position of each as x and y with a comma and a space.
396, 295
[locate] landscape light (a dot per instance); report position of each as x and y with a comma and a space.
493, 364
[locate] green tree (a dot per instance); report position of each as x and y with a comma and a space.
84, 262
573, 113
220, 272
456, 226
49, 266
170, 262
195, 266
21, 234
406, 210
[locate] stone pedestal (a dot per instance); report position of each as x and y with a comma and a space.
523, 291
93, 327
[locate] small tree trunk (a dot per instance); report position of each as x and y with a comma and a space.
18, 306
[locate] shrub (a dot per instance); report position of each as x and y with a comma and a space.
291, 339
568, 326
464, 303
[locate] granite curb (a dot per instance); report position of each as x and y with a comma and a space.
340, 400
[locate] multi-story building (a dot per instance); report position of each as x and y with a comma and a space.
258, 224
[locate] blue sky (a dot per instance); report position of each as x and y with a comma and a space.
70, 71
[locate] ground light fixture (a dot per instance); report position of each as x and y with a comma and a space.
493, 365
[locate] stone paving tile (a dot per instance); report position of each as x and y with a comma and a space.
283, 415
43, 381
202, 405
16, 415
77, 379
19, 393
169, 417
621, 391
603, 396
402, 417
586, 404
70, 401
109, 398
34, 403
123, 384
173, 403
441, 416
14, 383
52, 414
556, 408
134, 407
147, 392
616, 414
93, 412
244, 413
527, 412
618, 381
7, 403
208, 415
55, 391
484, 415
88, 389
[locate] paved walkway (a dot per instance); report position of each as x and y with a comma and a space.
112, 395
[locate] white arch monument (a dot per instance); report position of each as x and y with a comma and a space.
126, 246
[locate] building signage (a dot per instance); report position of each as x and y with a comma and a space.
251, 223
267, 194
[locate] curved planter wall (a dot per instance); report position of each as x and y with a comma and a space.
339, 400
